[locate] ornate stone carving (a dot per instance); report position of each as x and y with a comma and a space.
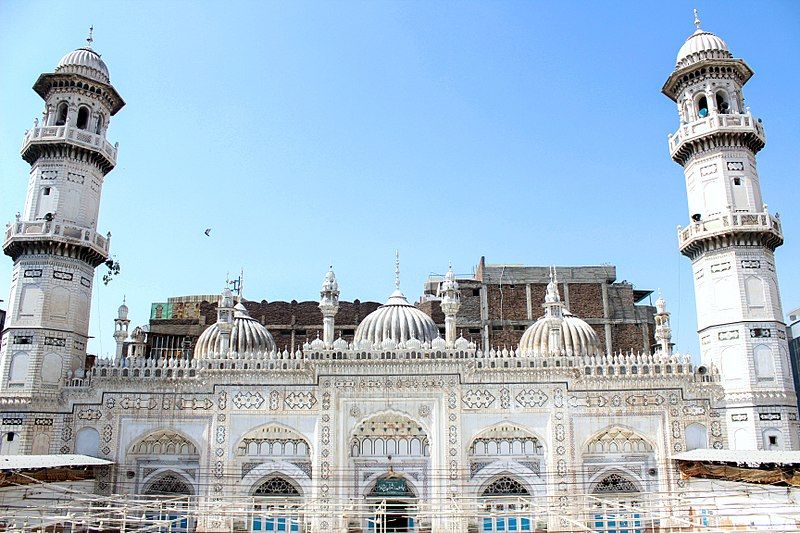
531, 398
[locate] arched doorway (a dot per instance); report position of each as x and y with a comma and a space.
614, 499
277, 502
394, 505
506, 505
172, 493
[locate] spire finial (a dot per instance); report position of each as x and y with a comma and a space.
397, 269
89, 39
696, 19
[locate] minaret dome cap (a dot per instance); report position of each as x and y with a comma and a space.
701, 45
86, 62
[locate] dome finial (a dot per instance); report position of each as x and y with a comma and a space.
397, 269
696, 19
89, 39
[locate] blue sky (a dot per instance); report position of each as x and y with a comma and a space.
305, 133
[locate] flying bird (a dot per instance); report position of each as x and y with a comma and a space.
208, 232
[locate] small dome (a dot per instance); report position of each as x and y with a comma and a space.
558, 332
702, 45
247, 336
340, 344
86, 62
566, 335
122, 312
397, 320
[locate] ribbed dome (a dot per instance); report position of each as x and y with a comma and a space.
247, 336
702, 45
568, 335
558, 332
86, 62
397, 320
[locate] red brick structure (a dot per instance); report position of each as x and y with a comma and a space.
497, 304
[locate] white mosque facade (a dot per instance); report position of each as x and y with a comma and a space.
401, 414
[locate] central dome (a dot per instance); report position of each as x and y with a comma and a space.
558, 332
86, 62
247, 336
567, 335
396, 320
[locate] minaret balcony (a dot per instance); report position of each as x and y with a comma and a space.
731, 228
21, 236
36, 137
745, 126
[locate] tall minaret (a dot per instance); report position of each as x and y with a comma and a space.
730, 239
54, 242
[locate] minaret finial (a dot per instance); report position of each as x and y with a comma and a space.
89, 39
696, 19
397, 269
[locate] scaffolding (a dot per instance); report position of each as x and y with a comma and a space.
726, 508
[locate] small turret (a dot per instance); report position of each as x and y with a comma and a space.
225, 319
329, 306
451, 302
663, 334
121, 324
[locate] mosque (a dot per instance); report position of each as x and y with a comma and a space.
410, 412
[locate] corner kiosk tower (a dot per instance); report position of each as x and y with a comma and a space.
54, 242
731, 239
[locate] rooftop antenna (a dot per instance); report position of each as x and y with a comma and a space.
90, 40
696, 19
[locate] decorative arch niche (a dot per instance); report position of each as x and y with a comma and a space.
387, 434
164, 442
617, 440
273, 440
505, 440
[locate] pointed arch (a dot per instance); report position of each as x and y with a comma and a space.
168, 483
277, 485
615, 481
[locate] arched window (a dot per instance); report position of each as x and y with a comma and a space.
505, 486
61, 114
723, 106
276, 486
168, 484
83, 118
98, 127
702, 107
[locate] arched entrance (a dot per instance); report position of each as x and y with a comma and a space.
616, 498
506, 503
173, 491
394, 505
276, 505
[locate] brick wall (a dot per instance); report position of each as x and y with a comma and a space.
509, 302
586, 300
626, 337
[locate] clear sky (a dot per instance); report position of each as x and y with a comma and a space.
305, 133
